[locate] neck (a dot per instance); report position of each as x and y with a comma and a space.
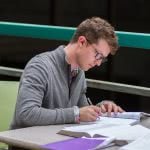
70, 51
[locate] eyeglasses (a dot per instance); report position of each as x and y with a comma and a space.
99, 56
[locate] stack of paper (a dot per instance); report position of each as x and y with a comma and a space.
142, 143
117, 121
128, 115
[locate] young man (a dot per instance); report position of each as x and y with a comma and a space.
52, 88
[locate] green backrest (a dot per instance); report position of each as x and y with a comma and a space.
8, 95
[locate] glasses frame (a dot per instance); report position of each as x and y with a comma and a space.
98, 56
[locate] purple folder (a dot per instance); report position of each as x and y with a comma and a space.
74, 144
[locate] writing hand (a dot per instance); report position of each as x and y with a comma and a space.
89, 113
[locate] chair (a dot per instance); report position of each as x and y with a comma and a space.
8, 95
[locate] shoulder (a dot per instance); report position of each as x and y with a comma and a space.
45, 62
46, 59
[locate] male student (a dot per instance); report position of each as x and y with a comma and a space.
52, 87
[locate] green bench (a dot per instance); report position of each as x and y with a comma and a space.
8, 94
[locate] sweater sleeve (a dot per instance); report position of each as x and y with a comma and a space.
33, 86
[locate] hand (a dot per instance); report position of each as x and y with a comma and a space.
109, 106
89, 113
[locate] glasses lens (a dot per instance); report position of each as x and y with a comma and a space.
99, 56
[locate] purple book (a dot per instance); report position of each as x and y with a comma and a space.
74, 144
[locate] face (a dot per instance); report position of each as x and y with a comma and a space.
91, 55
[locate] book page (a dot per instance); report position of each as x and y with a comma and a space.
142, 143
106, 142
84, 130
98, 127
112, 131
126, 132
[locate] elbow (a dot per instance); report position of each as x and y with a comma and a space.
26, 117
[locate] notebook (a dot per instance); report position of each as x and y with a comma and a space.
83, 143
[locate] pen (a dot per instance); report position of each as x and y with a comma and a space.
89, 101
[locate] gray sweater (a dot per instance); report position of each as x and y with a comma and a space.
45, 95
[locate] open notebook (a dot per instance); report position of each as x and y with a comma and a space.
123, 134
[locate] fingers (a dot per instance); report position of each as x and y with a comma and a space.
89, 113
96, 109
115, 108
103, 109
120, 109
93, 116
109, 106
112, 107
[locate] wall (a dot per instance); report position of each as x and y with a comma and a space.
127, 66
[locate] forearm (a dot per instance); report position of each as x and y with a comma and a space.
30, 110
41, 116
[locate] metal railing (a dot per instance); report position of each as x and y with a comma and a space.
126, 39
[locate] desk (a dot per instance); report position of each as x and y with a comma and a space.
34, 137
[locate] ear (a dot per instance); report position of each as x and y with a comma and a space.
81, 40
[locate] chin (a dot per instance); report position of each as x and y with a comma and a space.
86, 69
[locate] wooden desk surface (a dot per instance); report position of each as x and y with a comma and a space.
34, 137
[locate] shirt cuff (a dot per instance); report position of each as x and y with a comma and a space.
77, 114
